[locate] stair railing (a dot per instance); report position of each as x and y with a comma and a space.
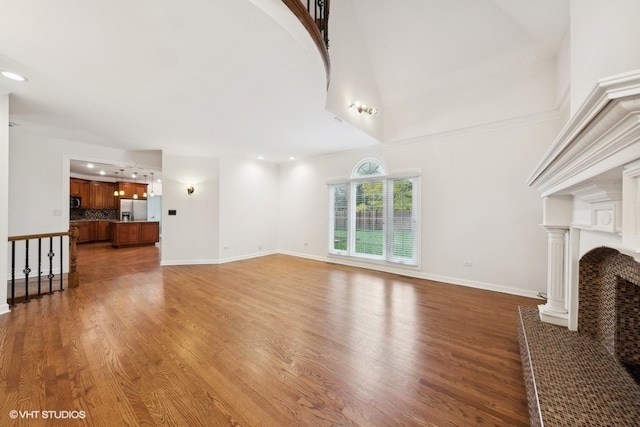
319, 11
314, 15
30, 259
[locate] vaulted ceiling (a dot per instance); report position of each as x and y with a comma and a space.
222, 76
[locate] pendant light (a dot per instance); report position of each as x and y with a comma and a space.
121, 192
145, 187
115, 192
152, 193
135, 192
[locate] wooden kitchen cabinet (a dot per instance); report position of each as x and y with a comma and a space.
140, 190
102, 195
102, 231
85, 230
81, 188
149, 232
92, 231
111, 202
93, 194
127, 233
131, 188
128, 189
74, 187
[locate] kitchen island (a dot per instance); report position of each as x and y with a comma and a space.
129, 233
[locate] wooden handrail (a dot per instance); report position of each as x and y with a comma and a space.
73, 277
309, 23
39, 236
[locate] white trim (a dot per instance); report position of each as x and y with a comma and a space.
168, 263
584, 144
420, 275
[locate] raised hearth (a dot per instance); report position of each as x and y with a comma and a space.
571, 379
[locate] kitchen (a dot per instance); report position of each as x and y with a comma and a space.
122, 211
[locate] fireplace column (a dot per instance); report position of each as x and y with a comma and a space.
555, 310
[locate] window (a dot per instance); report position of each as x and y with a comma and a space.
375, 216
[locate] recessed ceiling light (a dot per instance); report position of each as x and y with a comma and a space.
103, 173
292, 158
260, 157
14, 76
90, 165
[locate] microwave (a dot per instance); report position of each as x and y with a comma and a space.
75, 202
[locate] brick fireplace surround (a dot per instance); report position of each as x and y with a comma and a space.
609, 297
574, 346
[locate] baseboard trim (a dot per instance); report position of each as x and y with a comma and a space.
369, 266
420, 275
4, 309
169, 262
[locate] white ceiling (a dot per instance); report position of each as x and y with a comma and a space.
210, 77
417, 47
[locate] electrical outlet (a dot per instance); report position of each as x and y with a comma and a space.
467, 264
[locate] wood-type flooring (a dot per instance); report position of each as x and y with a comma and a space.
270, 341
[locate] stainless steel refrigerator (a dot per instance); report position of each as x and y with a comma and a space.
137, 209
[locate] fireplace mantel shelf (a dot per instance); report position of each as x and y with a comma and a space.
602, 136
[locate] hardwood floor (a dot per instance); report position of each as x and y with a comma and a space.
273, 341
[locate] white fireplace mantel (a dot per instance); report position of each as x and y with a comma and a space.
590, 182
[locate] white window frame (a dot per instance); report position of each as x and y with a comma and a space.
387, 215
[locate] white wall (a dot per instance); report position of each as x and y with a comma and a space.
604, 42
191, 236
515, 93
4, 196
476, 205
563, 70
249, 208
351, 75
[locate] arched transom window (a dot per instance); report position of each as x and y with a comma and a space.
369, 168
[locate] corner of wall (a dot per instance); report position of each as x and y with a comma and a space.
4, 195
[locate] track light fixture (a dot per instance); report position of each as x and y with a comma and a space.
363, 108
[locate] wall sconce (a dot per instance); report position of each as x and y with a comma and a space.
190, 190
363, 108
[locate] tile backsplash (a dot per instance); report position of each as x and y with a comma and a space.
84, 214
